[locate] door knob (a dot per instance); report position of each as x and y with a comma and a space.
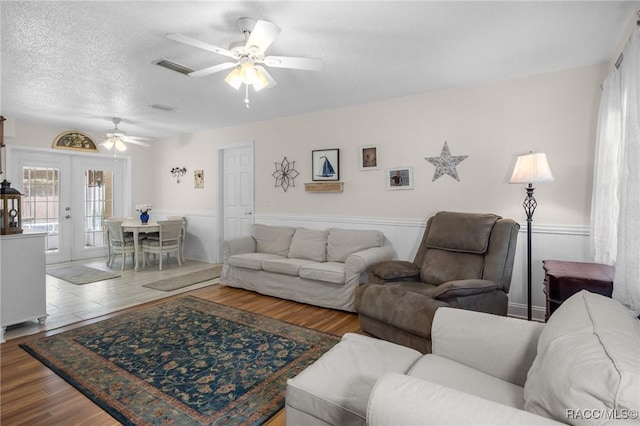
68, 216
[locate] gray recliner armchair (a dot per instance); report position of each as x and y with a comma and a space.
465, 260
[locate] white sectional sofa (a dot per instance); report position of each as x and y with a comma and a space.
318, 267
582, 367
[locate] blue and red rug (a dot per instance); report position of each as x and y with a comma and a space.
183, 362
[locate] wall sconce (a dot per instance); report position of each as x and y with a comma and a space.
178, 172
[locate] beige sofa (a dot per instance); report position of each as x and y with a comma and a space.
582, 367
318, 267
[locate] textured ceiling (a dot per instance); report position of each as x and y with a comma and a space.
77, 64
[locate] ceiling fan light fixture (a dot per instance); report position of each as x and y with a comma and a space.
114, 141
249, 72
260, 81
120, 146
108, 144
234, 78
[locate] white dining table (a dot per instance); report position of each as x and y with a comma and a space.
137, 227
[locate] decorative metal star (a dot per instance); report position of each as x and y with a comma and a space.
285, 174
446, 163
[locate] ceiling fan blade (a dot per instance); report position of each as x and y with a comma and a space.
135, 142
266, 74
213, 69
262, 35
140, 138
311, 64
200, 44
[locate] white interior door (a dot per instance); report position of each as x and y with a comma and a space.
236, 182
68, 196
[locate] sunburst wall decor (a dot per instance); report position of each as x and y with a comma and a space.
285, 174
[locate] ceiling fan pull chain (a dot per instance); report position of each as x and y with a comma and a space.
246, 95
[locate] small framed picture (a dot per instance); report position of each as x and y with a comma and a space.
198, 177
369, 157
325, 164
400, 178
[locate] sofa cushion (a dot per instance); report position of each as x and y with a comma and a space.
285, 266
251, 260
465, 232
272, 239
336, 388
588, 359
329, 272
440, 266
343, 242
452, 374
309, 244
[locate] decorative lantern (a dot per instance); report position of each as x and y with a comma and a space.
10, 209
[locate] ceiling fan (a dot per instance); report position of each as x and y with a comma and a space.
248, 56
118, 138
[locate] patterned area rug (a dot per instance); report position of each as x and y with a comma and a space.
184, 362
185, 280
80, 274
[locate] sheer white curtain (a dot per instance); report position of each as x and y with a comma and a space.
616, 197
604, 202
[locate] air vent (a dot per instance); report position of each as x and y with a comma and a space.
162, 107
174, 66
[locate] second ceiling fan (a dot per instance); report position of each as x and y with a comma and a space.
117, 138
248, 56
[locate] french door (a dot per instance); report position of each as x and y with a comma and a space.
68, 197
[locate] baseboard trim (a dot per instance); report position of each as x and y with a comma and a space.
519, 310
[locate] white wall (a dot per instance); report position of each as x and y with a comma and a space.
491, 123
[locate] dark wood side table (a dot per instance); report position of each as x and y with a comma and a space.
563, 279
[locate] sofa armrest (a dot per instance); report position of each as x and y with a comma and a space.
461, 288
502, 347
237, 246
394, 270
398, 399
357, 263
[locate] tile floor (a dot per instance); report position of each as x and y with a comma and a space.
69, 303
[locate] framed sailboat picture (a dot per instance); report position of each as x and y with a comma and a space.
325, 164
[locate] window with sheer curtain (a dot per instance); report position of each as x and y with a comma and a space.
615, 212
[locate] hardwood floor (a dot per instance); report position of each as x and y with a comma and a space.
32, 394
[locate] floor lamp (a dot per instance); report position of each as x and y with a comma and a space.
530, 168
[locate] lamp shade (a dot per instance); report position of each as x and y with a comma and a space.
260, 81
108, 144
120, 146
234, 79
532, 168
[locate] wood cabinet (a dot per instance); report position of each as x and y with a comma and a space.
563, 279
23, 288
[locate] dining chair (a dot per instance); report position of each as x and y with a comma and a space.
183, 232
119, 242
107, 236
167, 242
